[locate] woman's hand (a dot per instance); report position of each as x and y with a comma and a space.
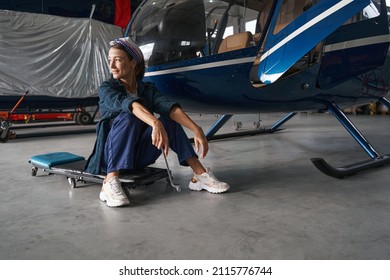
200, 141
159, 134
160, 137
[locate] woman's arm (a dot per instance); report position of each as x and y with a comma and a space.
200, 141
159, 134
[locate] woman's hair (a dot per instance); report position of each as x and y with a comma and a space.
140, 68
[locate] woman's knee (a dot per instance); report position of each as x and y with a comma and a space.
127, 120
125, 117
170, 125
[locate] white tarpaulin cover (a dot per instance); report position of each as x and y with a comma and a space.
52, 55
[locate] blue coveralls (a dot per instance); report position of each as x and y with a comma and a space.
123, 141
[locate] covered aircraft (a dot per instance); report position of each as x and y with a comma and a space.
60, 61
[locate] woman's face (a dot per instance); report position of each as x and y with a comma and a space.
121, 66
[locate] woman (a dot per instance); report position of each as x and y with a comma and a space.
130, 137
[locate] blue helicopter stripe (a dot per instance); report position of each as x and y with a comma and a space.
328, 48
358, 43
202, 66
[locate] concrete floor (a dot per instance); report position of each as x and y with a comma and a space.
279, 207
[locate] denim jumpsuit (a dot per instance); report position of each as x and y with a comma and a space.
123, 141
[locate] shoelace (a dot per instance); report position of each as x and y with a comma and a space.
211, 178
114, 188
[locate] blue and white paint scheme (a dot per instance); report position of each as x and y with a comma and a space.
306, 53
253, 56
303, 34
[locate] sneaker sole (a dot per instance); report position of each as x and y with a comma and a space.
103, 198
194, 187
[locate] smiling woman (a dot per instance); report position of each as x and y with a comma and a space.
125, 59
130, 137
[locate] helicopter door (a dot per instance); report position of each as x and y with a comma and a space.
296, 28
356, 47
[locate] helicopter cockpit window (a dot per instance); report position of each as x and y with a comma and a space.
290, 10
224, 19
371, 11
242, 18
215, 22
240, 28
170, 30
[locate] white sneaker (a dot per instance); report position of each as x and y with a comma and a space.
207, 181
113, 194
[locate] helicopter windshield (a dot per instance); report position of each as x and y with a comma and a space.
169, 30
175, 30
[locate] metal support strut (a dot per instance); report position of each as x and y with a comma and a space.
340, 172
351, 128
210, 134
217, 125
385, 101
282, 121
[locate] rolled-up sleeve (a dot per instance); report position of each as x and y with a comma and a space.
161, 104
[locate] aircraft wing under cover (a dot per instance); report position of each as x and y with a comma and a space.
286, 47
52, 55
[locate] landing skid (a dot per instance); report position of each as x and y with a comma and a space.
349, 170
376, 160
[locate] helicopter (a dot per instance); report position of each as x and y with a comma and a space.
260, 56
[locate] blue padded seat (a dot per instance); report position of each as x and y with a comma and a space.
52, 159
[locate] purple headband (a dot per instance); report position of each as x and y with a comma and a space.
131, 47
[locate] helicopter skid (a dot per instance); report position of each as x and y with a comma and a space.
376, 160
349, 170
